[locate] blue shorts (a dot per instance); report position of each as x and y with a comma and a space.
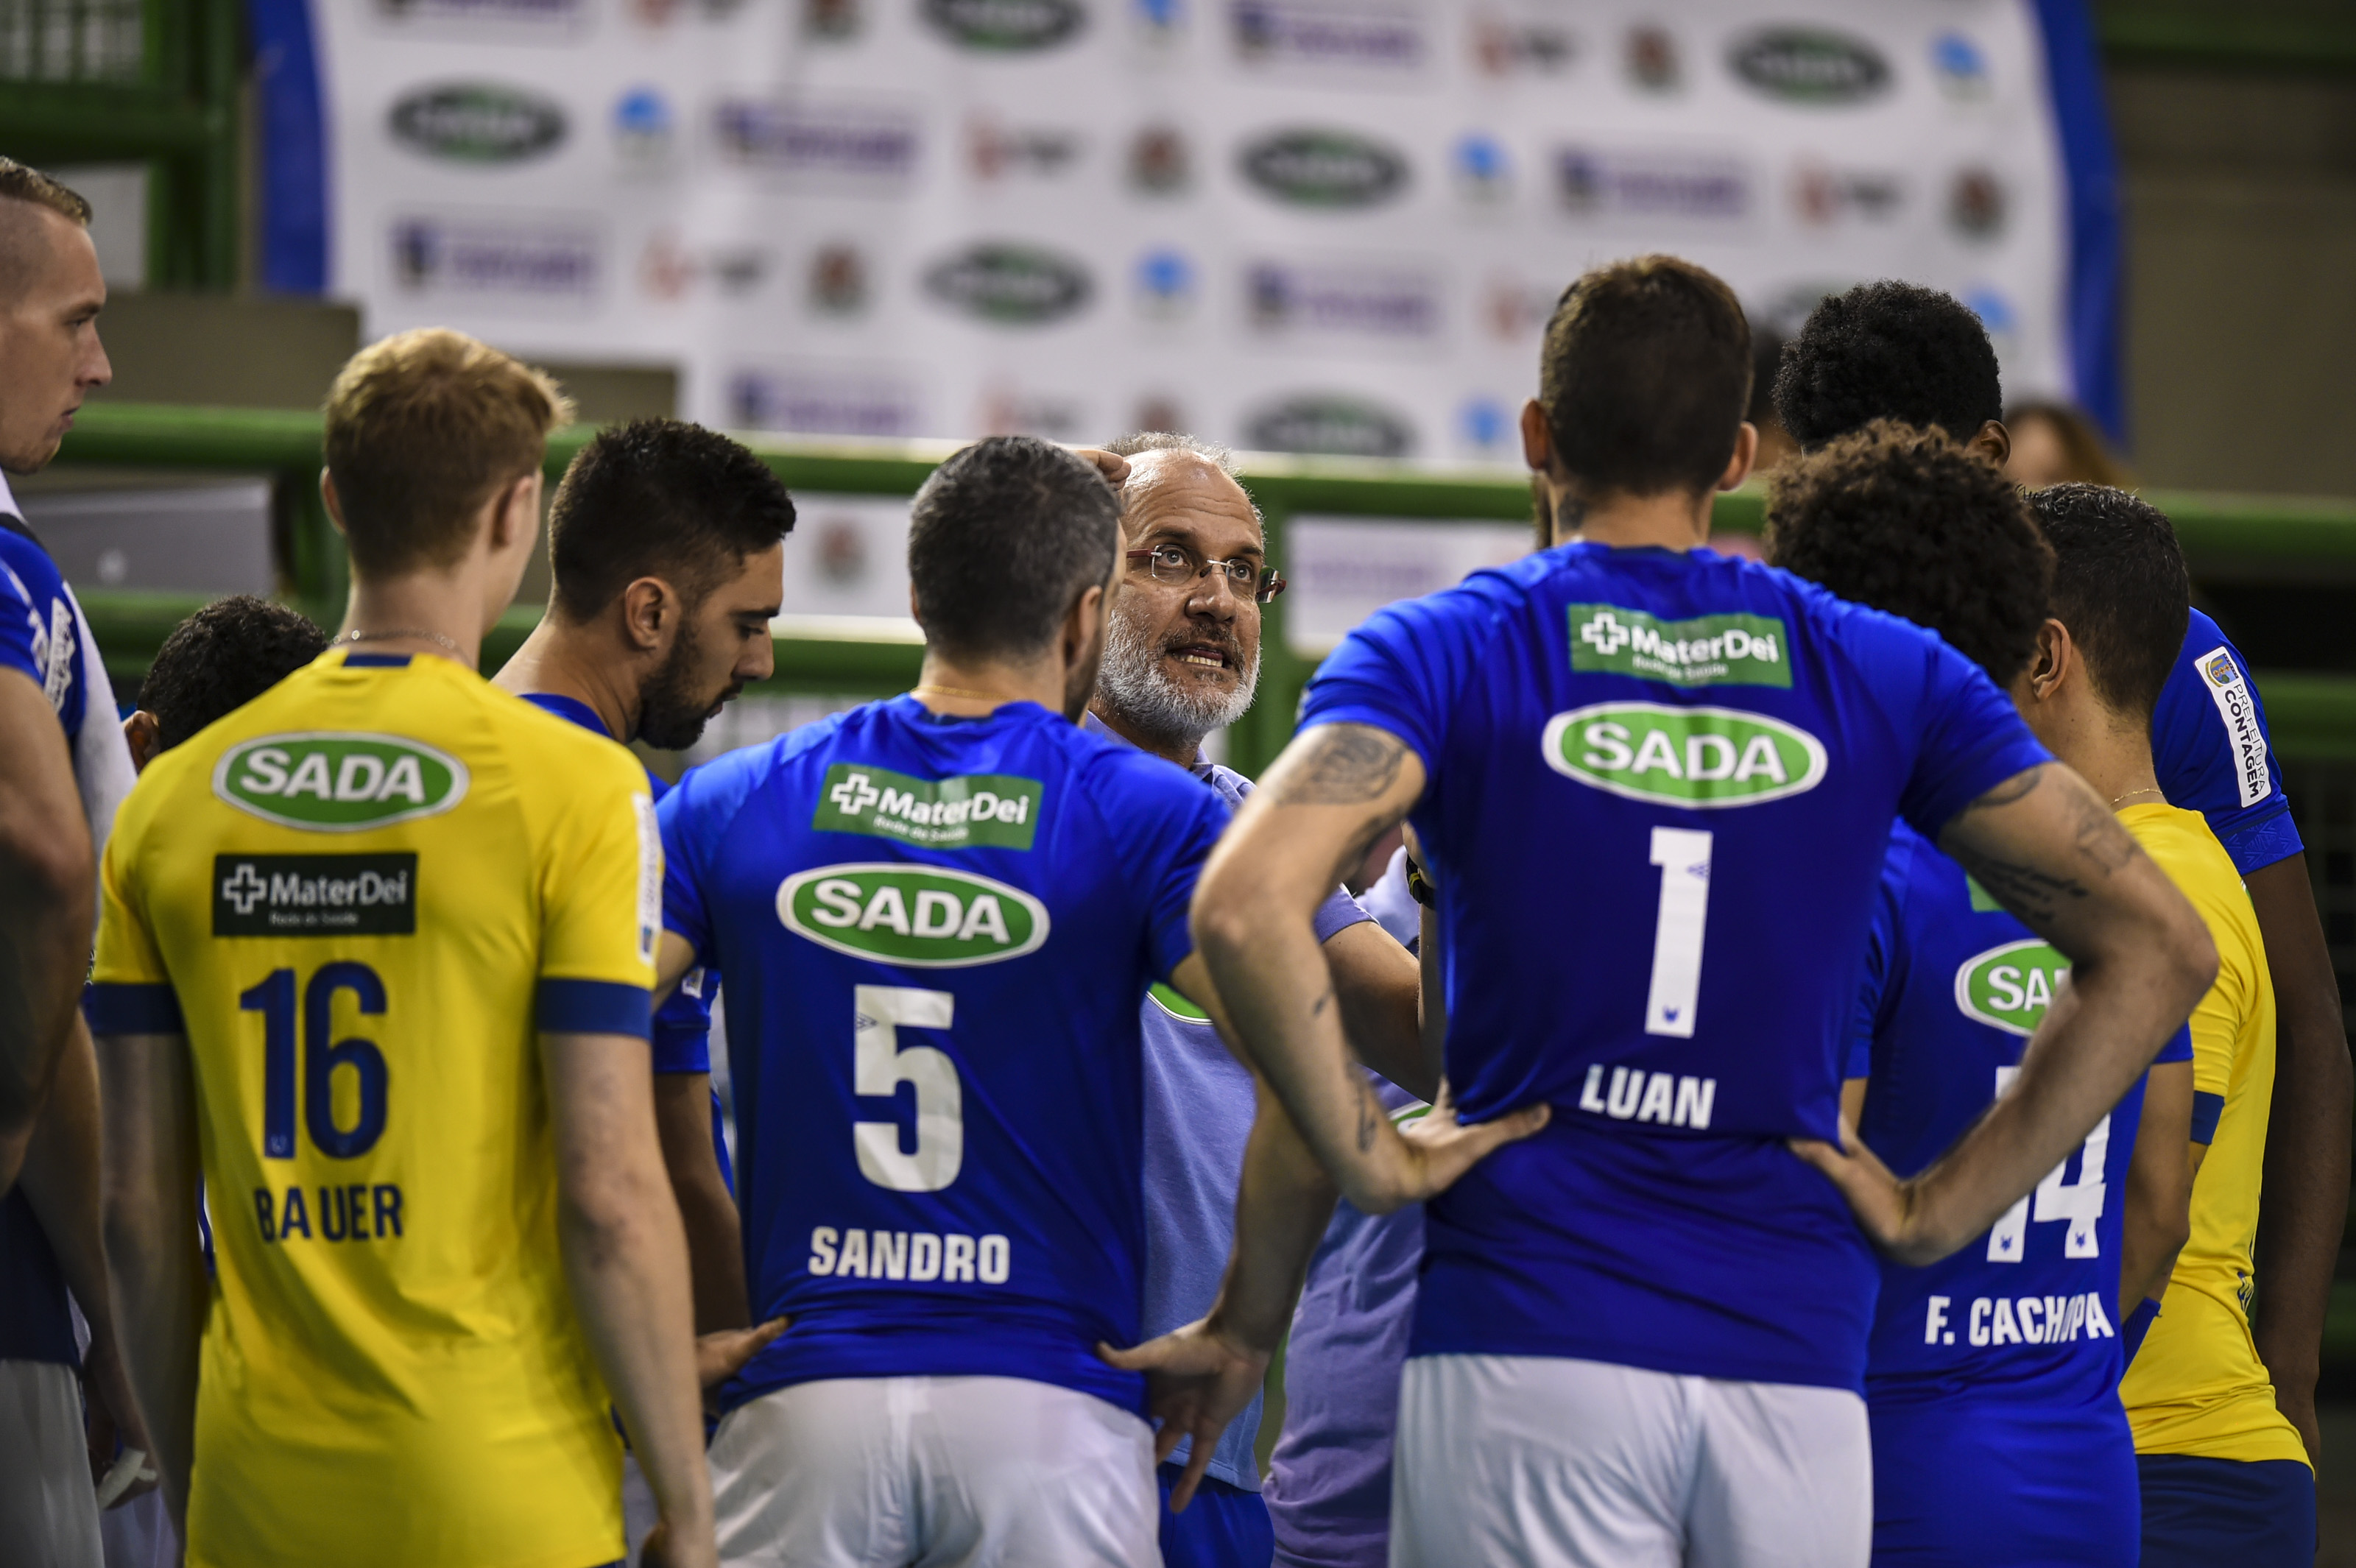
2251, 1513
1224, 1527
1972, 1482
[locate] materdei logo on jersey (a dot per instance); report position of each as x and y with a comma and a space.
922, 917
977, 811
1709, 650
338, 782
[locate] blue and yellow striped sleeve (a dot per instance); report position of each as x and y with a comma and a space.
130, 992
601, 879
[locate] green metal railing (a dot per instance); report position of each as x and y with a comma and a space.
2241, 538
135, 80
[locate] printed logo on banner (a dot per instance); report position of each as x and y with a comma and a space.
833, 21
510, 258
1811, 65
1486, 425
1165, 290
478, 122
1006, 26
1650, 57
838, 281
1007, 409
668, 269
644, 127
821, 401
1335, 169
1331, 424
1651, 183
1516, 309
1482, 170
538, 15
1522, 45
842, 557
1328, 33
1976, 204
1822, 195
1343, 302
830, 142
1159, 22
1011, 285
1159, 163
1996, 312
1158, 411
996, 152
1962, 68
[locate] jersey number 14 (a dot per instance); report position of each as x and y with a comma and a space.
2080, 1202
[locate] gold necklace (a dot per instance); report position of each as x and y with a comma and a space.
2133, 792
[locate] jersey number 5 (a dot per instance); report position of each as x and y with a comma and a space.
2081, 1202
273, 998
880, 1065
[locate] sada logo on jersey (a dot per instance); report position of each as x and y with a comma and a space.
1709, 650
2010, 986
979, 811
1699, 757
338, 782
921, 917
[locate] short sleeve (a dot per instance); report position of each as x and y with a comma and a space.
40, 632
1338, 914
130, 991
682, 1028
601, 872
1877, 982
1401, 670
2214, 754
683, 909
2216, 1027
1972, 740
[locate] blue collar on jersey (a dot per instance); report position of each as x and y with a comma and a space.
571, 707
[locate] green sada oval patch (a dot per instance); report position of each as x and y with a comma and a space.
332, 780
2010, 986
922, 917
1695, 757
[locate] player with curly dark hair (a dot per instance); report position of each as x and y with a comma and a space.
1892, 350
1908, 521
215, 662
1968, 1372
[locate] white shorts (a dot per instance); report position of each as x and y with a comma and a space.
934, 1472
1539, 1461
48, 1505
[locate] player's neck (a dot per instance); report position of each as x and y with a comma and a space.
1670, 520
967, 688
2110, 751
561, 659
1180, 750
436, 613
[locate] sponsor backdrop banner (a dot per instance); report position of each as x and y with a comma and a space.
1328, 225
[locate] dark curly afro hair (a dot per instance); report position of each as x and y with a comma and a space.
222, 657
2119, 584
1888, 350
1908, 521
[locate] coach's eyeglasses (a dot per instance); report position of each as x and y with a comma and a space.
1175, 564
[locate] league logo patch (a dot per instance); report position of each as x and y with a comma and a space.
2237, 705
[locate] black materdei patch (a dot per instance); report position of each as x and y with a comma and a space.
314, 895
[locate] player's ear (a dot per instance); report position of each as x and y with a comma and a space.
2054, 662
144, 735
515, 513
327, 495
648, 606
1992, 441
1746, 454
1538, 438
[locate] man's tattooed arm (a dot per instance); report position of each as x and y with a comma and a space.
1343, 764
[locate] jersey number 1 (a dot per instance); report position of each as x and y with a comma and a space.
1683, 855
880, 1065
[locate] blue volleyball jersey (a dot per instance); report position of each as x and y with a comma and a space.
40, 632
1952, 988
2210, 748
1659, 786
937, 935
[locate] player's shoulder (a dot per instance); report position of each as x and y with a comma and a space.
1121, 783
2187, 850
26, 573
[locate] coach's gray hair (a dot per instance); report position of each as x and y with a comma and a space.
1138, 442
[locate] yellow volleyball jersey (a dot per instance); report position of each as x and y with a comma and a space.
361, 897
2197, 1386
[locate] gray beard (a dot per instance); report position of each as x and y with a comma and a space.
1136, 687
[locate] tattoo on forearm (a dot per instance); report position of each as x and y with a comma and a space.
2034, 895
1346, 764
1317, 1009
1370, 1117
